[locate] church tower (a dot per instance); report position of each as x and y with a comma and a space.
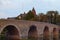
33, 11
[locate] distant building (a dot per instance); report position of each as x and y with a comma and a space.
21, 16
11, 18
33, 11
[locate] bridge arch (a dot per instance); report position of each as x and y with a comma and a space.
11, 32
55, 33
46, 33
32, 33
59, 33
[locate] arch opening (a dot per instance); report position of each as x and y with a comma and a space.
55, 36
32, 33
46, 33
59, 33
10, 32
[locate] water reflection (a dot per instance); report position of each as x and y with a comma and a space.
32, 38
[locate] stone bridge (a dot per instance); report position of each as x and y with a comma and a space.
18, 29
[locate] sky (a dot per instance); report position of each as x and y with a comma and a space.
12, 8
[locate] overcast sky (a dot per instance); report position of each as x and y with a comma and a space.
12, 8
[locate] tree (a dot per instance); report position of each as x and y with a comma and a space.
58, 19
52, 16
41, 17
55, 16
29, 16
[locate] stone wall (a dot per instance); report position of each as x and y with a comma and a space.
23, 27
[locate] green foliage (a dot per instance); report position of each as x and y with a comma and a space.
58, 19
17, 18
32, 38
29, 16
2, 37
52, 15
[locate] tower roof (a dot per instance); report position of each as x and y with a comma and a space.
33, 10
